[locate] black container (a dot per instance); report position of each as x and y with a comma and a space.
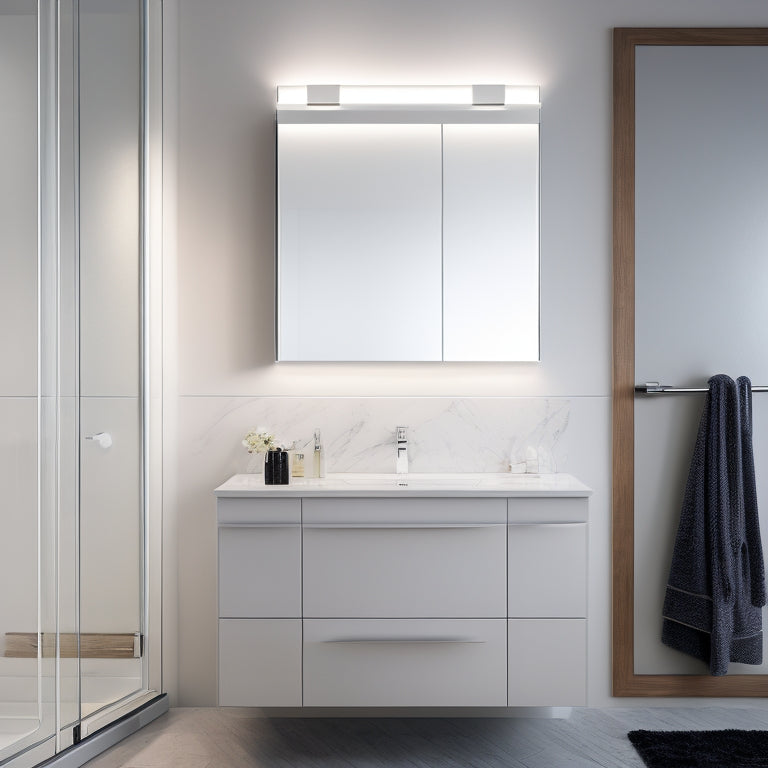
276, 470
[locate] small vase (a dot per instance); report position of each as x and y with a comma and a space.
255, 465
276, 471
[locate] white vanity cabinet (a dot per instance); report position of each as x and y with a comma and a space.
330, 597
547, 601
404, 558
260, 624
404, 602
405, 662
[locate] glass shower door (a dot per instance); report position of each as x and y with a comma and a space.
78, 292
28, 553
107, 327
101, 533
111, 534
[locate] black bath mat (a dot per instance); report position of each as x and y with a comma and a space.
702, 749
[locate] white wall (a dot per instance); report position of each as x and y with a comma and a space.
220, 369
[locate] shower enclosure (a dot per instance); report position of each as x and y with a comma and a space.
80, 359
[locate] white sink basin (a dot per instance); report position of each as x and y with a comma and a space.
509, 479
385, 484
452, 481
431, 480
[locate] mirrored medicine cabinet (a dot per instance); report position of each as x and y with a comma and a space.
408, 231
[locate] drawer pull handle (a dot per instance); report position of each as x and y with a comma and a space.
547, 525
399, 526
402, 640
259, 525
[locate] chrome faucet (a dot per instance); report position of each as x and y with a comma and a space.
401, 444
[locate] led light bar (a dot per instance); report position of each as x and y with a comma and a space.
407, 95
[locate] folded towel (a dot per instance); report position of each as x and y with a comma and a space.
716, 583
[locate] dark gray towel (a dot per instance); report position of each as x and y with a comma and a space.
716, 583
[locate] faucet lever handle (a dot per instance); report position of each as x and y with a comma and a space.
402, 435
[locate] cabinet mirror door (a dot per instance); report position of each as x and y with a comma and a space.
491, 242
359, 218
406, 242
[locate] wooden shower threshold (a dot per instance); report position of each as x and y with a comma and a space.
92, 645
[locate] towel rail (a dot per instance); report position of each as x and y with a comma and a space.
654, 388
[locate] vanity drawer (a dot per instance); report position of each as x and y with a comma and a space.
260, 662
405, 662
547, 569
547, 510
405, 558
260, 570
547, 662
249, 511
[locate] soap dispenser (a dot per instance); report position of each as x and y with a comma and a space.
297, 468
318, 458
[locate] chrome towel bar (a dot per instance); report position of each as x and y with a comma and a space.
654, 388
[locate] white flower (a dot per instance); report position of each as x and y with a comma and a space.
259, 440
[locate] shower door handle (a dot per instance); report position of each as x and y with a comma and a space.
104, 439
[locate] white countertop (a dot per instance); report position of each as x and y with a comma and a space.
389, 485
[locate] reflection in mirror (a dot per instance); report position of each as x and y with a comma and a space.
701, 160
408, 235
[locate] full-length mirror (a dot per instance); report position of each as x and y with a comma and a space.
408, 235
690, 162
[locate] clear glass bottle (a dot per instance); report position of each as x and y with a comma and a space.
318, 457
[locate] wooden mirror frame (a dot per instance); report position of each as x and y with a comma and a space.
625, 681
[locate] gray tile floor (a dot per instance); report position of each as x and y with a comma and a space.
234, 738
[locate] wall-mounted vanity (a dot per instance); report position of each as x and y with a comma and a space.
408, 224
466, 590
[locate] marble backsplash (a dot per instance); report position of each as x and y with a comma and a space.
358, 434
